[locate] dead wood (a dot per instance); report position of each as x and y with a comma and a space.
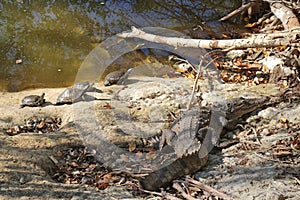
283, 13
290, 38
208, 189
286, 15
181, 191
53, 160
237, 11
249, 7
162, 194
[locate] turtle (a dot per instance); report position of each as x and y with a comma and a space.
73, 94
116, 77
33, 100
84, 86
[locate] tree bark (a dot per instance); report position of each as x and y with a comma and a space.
287, 38
286, 15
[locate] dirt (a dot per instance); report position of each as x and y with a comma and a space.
24, 158
264, 163
241, 171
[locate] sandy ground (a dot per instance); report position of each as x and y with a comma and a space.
25, 167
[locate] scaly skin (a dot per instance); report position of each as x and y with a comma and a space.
191, 137
194, 134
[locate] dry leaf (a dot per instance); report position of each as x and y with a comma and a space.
190, 75
132, 146
108, 106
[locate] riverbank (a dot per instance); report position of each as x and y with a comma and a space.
237, 170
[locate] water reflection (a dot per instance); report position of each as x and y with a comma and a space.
50, 39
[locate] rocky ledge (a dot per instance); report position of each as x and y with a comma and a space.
262, 163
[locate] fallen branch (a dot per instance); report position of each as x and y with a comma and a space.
53, 160
287, 17
181, 191
165, 195
270, 159
237, 11
260, 40
208, 189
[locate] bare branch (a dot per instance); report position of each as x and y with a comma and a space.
261, 40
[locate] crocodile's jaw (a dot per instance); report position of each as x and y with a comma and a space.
238, 108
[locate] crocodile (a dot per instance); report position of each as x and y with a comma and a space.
183, 147
194, 134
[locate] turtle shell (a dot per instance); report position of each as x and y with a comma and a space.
65, 97
33, 100
83, 86
74, 94
113, 78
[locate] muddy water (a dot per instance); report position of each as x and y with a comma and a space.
43, 43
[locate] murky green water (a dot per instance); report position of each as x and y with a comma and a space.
43, 42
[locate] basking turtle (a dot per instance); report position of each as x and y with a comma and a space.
33, 100
73, 94
116, 77
83, 86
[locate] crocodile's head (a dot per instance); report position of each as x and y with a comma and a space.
237, 107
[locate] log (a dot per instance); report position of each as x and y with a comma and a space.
288, 38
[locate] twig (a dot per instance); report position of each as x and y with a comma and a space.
297, 180
167, 196
151, 192
293, 147
237, 11
185, 195
197, 78
270, 159
53, 160
208, 189
194, 86
249, 142
253, 130
170, 197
